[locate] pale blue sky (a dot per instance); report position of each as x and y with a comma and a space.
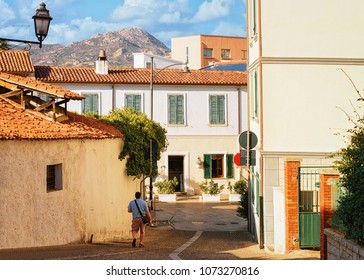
75, 20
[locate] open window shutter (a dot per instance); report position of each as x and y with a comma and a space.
229, 166
207, 166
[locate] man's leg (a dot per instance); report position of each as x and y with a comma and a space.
142, 235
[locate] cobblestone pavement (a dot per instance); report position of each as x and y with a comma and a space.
187, 229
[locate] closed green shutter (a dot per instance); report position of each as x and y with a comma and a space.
217, 109
229, 166
134, 101
176, 109
90, 103
207, 166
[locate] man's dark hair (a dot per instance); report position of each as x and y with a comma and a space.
138, 195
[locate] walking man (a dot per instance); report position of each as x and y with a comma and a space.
137, 222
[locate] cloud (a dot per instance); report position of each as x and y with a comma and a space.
162, 11
78, 29
6, 13
212, 10
229, 29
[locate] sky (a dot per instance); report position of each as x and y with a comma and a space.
75, 20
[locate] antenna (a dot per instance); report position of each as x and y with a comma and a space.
186, 55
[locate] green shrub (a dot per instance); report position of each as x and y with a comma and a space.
166, 186
241, 188
211, 187
351, 203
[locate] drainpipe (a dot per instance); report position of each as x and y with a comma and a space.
113, 97
261, 195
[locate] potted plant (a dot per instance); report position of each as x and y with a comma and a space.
166, 189
211, 190
236, 190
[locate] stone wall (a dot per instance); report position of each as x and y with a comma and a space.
339, 248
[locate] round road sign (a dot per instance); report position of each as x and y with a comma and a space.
243, 140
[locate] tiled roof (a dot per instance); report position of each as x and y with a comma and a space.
16, 123
16, 61
65, 74
15, 82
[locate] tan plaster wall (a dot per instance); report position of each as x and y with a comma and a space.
93, 200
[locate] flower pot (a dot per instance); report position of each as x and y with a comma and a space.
234, 197
167, 197
210, 197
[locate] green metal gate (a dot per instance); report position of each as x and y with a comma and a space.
309, 206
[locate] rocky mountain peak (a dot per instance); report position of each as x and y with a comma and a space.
119, 46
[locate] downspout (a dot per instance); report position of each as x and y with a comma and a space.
261, 196
113, 97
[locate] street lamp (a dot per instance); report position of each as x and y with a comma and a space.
185, 70
153, 147
42, 20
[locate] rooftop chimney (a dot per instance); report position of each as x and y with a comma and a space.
102, 64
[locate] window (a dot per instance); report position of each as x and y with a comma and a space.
218, 166
225, 53
207, 52
134, 101
54, 177
90, 103
217, 109
176, 110
243, 54
254, 98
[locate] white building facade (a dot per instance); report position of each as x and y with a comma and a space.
202, 111
299, 55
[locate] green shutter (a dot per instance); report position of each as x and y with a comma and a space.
217, 109
134, 101
229, 166
172, 117
176, 109
213, 109
180, 110
255, 94
90, 103
207, 166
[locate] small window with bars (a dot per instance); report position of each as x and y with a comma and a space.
54, 177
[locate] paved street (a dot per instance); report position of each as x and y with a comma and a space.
187, 229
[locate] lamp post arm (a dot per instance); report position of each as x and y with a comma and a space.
22, 41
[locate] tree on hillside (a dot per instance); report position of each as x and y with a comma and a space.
4, 45
138, 131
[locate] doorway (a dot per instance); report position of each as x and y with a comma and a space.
175, 169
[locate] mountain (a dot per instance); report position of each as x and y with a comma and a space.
118, 45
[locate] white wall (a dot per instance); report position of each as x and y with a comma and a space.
326, 28
94, 199
303, 106
193, 43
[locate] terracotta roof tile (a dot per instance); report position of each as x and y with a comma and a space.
16, 123
66, 74
16, 62
42, 87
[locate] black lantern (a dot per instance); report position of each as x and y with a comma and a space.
42, 20
41, 23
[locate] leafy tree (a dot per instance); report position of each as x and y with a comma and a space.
351, 166
138, 131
